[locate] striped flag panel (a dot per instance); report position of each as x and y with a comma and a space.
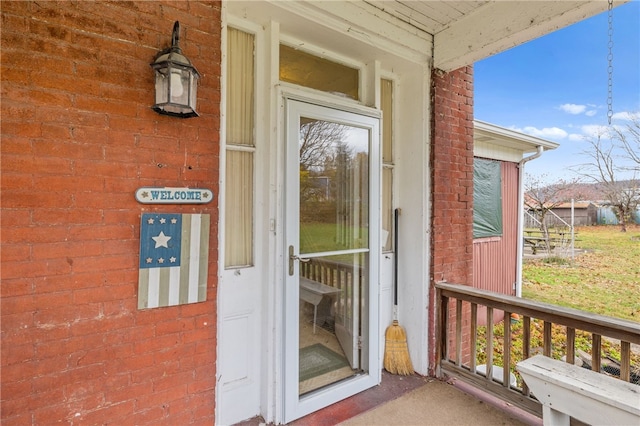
174, 258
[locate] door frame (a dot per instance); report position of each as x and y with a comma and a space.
250, 354
293, 406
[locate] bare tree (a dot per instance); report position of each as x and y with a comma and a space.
612, 154
318, 141
542, 197
628, 138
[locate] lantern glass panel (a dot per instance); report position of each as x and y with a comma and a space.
162, 86
193, 91
179, 86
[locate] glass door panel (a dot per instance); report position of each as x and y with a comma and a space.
329, 242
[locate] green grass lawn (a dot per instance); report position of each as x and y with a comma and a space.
605, 279
319, 237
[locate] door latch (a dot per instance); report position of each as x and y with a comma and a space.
293, 257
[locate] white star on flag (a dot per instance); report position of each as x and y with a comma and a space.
161, 240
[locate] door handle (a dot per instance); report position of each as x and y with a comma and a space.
293, 257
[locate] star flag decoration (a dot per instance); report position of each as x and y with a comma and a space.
174, 258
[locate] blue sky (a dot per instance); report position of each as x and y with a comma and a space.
555, 87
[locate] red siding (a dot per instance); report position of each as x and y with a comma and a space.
494, 259
78, 138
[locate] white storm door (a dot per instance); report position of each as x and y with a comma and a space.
332, 248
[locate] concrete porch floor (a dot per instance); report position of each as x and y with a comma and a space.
416, 400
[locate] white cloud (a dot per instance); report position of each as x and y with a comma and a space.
626, 115
546, 133
593, 130
591, 113
573, 108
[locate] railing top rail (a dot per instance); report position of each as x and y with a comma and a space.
612, 327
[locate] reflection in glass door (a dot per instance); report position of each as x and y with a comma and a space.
329, 246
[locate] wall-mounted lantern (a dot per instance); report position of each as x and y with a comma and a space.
176, 80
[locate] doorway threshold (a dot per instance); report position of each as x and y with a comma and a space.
391, 387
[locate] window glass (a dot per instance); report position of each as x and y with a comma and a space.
240, 82
307, 70
387, 205
239, 209
334, 186
239, 179
386, 105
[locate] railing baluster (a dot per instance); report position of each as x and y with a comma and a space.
444, 317
506, 351
489, 370
625, 361
332, 277
442, 328
550, 315
349, 283
458, 332
546, 345
596, 352
474, 336
526, 347
571, 345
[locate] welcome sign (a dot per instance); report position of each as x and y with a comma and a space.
152, 195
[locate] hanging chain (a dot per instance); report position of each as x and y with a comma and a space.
610, 66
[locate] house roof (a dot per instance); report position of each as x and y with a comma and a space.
499, 143
501, 136
576, 205
467, 31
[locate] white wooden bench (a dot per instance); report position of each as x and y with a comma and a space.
566, 391
313, 292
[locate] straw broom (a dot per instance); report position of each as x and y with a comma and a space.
396, 351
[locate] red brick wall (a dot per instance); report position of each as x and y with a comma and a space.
78, 138
452, 184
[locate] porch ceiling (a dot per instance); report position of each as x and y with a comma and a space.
467, 31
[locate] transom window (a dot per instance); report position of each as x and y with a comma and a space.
311, 71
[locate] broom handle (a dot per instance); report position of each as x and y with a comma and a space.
396, 213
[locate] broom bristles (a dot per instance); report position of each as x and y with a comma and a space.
396, 351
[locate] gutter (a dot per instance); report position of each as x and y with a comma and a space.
520, 244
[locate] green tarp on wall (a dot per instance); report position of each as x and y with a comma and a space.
487, 198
